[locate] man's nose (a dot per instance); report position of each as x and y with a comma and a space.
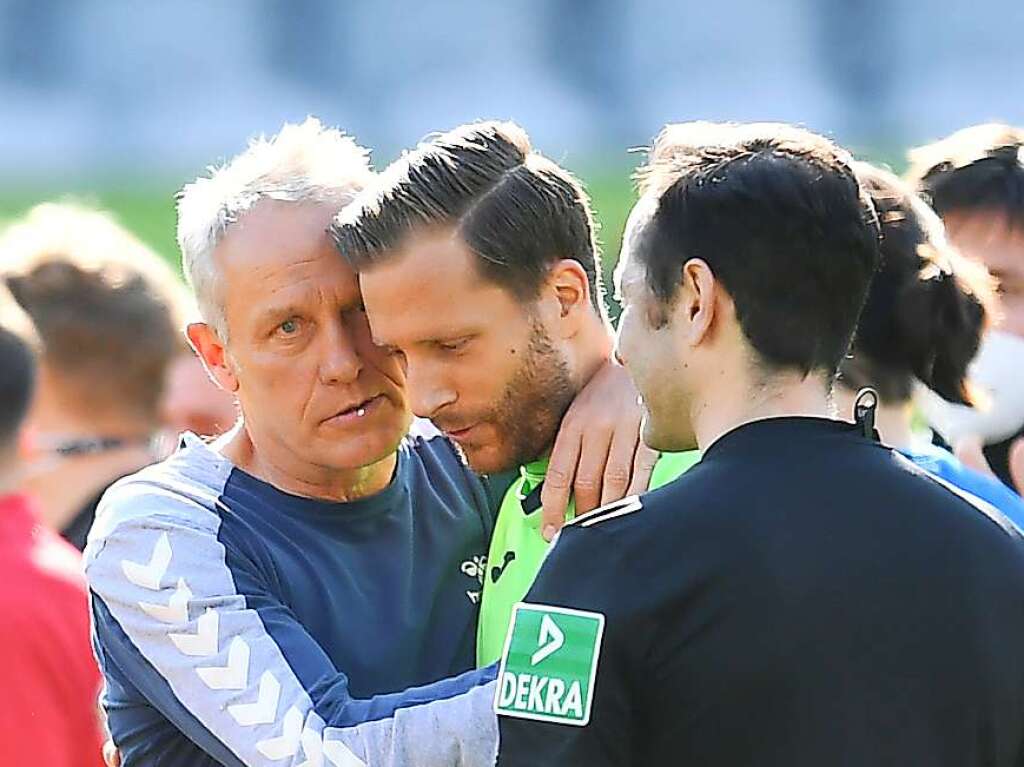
339, 360
428, 391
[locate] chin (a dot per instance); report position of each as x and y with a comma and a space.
369, 447
486, 460
665, 440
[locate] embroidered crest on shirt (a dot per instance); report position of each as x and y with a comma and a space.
475, 568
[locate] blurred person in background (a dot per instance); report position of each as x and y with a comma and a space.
804, 595
269, 598
974, 179
109, 314
50, 680
923, 320
479, 267
191, 400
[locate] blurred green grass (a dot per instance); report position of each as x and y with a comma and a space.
146, 207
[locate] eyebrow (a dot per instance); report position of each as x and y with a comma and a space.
278, 312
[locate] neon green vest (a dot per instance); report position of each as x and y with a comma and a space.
517, 550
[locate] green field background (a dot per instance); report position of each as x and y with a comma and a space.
147, 207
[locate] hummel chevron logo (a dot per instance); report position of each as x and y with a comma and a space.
176, 611
550, 641
204, 641
233, 676
264, 710
340, 756
287, 743
148, 576
312, 747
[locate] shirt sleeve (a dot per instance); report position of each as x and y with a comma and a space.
572, 576
193, 626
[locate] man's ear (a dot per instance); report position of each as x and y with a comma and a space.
570, 288
697, 300
211, 351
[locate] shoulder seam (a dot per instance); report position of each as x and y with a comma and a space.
628, 505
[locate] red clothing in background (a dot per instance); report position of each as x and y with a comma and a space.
49, 679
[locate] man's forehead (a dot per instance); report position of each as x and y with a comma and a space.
626, 271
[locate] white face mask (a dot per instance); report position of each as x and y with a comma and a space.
998, 370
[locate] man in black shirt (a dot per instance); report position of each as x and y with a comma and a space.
804, 595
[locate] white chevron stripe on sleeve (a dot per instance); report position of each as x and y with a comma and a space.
312, 747
338, 754
233, 676
176, 611
148, 576
264, 710
204, 641
287, 743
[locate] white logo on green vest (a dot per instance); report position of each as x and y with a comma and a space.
550, 663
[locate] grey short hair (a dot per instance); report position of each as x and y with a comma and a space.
304, 162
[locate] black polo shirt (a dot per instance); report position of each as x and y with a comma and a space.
803, 596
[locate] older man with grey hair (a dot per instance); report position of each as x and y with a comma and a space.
265, 599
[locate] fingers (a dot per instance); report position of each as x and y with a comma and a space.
643, 468
618, 470
1017, 464
596, 446
554, 496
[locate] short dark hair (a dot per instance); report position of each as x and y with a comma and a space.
778, 215
107, 309
517, 210
980, 168
927, 306
18, 344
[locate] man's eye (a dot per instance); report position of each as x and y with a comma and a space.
452, 346
288, 327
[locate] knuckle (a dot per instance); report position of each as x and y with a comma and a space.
617, 476
586, 484
556, 479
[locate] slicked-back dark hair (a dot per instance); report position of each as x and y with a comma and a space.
18, 347
927, 307
517, 211
778, 215
980, 168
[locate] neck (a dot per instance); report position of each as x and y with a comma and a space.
892, 420
62, 485
724, 407
50, 416
287, 472
592, 349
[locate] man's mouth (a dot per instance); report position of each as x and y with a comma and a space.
460, 434
355, 412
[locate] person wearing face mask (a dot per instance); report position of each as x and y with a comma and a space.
974, 179
922, 321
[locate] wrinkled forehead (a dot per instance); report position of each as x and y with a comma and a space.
630, 269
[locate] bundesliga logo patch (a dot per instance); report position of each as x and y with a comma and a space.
549, 666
